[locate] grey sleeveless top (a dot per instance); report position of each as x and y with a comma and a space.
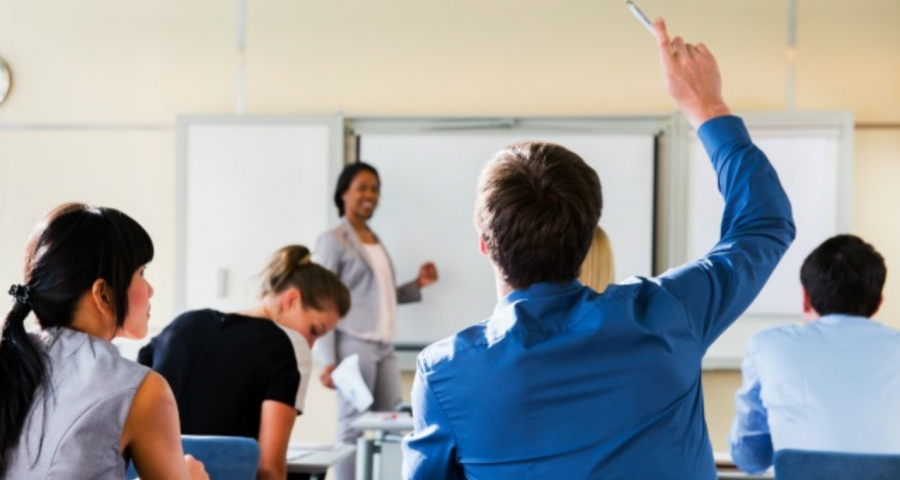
75, 426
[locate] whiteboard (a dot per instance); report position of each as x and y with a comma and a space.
249, 186
812, 154
426, 213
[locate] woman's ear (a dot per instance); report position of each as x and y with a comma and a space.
289, 298
101, 295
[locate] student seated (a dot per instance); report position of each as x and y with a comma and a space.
245, 374
831, 384
70, 406
562, 381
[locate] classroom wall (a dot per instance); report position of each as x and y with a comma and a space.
98, 85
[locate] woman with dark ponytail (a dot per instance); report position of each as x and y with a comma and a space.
245, 374
70, 406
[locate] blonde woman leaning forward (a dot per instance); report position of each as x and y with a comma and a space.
70, 406
245, 374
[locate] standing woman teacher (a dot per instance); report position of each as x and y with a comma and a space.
354, 253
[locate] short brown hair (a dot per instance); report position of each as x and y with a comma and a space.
537, 207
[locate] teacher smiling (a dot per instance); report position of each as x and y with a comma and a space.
355, 254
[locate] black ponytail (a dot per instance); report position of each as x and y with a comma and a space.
73, 247
23, 370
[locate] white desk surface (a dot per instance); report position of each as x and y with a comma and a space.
316, 458
384, 421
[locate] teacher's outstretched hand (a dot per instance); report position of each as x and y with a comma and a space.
691, 75
427, 274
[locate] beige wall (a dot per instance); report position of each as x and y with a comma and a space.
129, 64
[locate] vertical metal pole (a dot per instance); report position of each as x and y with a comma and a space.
364, 452
376, 457
241, 44
791, 56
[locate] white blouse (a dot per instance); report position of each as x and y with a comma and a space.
387, 295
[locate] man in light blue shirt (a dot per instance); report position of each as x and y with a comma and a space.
565, 382
832, 384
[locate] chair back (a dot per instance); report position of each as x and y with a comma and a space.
804, 464
225, 458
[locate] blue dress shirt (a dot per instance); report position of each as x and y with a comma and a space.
832, 385
563, 382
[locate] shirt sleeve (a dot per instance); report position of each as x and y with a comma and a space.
750, 440
327, 254
284, 380
757, 228
409, 292
429, 451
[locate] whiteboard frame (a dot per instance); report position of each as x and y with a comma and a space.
334, 123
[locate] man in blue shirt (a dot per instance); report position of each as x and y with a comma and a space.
564, 382
832, 384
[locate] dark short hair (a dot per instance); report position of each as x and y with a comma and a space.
537, 207
346, 178
844, 275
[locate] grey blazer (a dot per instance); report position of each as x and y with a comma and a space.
341, 251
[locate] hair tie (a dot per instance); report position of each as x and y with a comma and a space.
22, 293
305, 260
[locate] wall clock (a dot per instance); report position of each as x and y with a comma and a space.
5, 80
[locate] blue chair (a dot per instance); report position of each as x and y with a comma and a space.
805, 465
225, 458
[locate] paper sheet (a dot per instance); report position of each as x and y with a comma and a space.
350, 384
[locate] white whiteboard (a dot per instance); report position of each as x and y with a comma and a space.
812, 156
249, 186
426, 211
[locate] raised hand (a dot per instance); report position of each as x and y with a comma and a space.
691, 75
427, 274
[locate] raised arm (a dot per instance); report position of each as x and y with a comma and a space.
757, 225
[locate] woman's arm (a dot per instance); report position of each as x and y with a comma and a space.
152, 434
275, 427
412, 291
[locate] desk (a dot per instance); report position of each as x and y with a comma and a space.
385, 427
316, 459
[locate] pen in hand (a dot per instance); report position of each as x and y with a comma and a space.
638, 14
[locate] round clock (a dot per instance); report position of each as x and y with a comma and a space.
5, 80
